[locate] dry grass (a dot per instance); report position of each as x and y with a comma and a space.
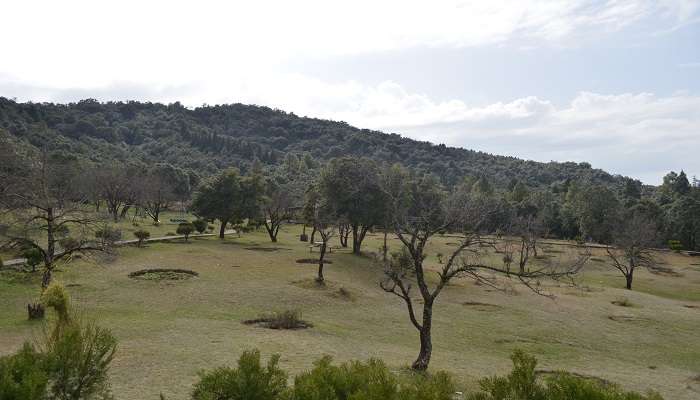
168, 332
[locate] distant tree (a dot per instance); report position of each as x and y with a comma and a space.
227, 197
681, 185
684, 221
162, 185
422, 210
352, 186
185, 229
519, 192
117, 186
632, 248
598, 211
278, 205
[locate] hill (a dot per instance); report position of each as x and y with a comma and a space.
208, 138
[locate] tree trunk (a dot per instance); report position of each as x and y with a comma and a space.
628, 278
319, 278
313, 235
125, 210
384, 248
426, 342
46, 278
271, 231
222, 230
358, 235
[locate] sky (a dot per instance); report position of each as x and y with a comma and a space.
612, 83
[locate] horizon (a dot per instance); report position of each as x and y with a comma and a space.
612, 84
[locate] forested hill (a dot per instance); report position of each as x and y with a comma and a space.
209, 138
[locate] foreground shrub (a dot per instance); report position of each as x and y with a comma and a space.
522, 384
23, 375
371, 380
78, 362
250, 381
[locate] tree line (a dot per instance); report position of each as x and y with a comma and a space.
51, 203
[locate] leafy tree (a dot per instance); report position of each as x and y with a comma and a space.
278, 204
598, 210
352, 186
227, 197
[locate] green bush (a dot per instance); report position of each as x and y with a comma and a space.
33, 257
23, 375
200, 225
522, 384
250, 381
675, 245
371, 380
185, 229
142, 236
78, 362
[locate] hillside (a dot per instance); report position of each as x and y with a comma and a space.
208, 138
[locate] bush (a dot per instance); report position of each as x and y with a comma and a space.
78, 362
185, 229
675, 245
23, 375
33, 257
142, 236
289, 319
109, 235
200, 225
522, 384
55, 296
250, 381
371, 380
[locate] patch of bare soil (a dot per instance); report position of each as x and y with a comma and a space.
266, 249
664, 271
629, 319
691, 306
312, 261
475, 305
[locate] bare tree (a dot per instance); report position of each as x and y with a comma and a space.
49, 216
326, 231
422, 210
278, 205
632, 247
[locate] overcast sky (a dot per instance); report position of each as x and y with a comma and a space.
613, 83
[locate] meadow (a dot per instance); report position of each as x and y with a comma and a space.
647, 338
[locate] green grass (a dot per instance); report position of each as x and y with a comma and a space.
168, 330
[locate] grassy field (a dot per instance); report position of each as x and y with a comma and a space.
168, 331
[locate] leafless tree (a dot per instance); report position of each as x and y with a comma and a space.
278, 205
48, 214
422, 210
632, 245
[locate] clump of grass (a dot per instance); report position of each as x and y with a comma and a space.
623, 302
288, 319
345, 294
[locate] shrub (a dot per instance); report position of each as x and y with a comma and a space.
370, 380
33, 257
109, 235
23, 375
55, 296
288, 319
675, 245
185, 229
522, 384
200, 225
142, 236
78, 362
250, 381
